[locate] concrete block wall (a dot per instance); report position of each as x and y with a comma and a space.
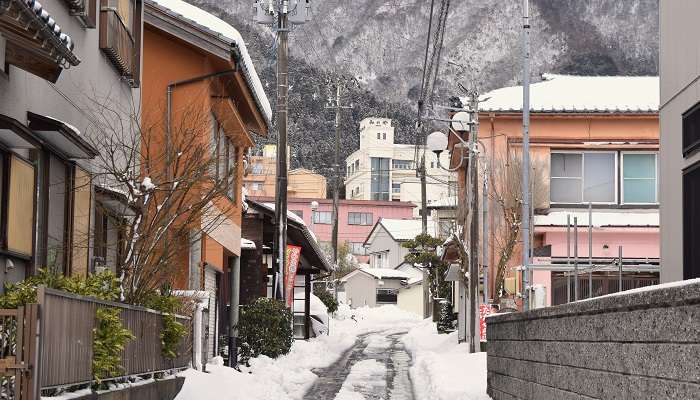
639, 345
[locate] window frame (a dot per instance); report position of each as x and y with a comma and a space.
689, 148
616, 176
390, 292
316, 220
622, 177
360, 218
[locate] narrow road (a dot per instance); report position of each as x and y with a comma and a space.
375, 368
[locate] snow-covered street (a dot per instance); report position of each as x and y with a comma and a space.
371, 353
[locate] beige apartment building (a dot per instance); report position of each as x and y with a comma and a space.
679, 160
384, 170
259, 180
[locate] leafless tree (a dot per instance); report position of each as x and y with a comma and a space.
174, 180
507, 195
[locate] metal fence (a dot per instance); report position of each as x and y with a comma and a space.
66, 343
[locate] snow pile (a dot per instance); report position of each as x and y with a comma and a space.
290, 376
443, 369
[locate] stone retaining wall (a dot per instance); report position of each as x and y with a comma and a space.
638, 345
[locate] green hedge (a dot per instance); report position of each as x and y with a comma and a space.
264, 327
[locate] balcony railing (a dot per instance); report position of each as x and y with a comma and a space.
117, 42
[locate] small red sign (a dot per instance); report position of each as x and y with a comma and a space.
484, 311
290, 275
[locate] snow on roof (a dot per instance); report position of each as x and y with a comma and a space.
386, 273
445, 202
290, 214
247, 244
404, 229
626, 218
569, 93
224, 29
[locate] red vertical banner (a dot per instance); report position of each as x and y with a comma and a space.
484, 311
290, 274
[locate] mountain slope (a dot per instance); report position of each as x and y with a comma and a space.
381, 44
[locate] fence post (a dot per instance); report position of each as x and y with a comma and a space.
35, 343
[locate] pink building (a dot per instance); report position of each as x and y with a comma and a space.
356, 218
635, 231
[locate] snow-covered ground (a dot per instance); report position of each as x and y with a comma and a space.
441, 368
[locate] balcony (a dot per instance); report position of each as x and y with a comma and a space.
117, 42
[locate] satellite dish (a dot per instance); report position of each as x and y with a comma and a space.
461, 121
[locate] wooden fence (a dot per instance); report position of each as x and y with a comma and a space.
67, 327
49, 344
18, 351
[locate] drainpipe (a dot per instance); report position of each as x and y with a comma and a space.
169, 109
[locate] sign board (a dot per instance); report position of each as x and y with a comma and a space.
484, 311
290, 275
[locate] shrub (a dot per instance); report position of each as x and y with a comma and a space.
264, 327
327, 298
173, 331
104, 286
446, 319
109, 339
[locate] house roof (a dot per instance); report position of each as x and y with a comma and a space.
298, 231
399, 229
579, 94
621, 218
225, 32
379, 273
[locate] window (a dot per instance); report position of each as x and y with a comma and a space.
379, 135
583, 177
380, 179
18, 196
299, 213
358, 249
256, 186
639, 178
691, 222
257, 169
379, 260
359, 218
232, 165
357, 166
384, 135
57, 204
402, 164
323, 217
225, 163
395, 187
387, 296
691, 130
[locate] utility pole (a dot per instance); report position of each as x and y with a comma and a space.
336, 181
485, 236
474, 342
280, 14
526, 156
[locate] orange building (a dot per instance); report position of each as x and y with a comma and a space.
261, 177
198, 77
593, 140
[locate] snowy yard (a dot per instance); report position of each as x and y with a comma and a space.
381, 353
